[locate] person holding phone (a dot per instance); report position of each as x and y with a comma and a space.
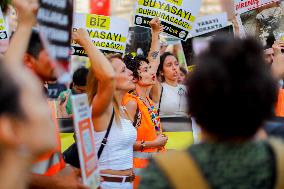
78, 86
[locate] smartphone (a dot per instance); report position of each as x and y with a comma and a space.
62, 99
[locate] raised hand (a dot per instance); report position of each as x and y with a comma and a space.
156, 25
161, 140
26, 10
81, 36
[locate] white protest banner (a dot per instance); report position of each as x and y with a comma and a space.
107, 33
209, 23
55, 25
3, 29
177, 16
265, 23
85, 140
188, 44
242, 6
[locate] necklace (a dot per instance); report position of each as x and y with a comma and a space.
146, 102
153, 112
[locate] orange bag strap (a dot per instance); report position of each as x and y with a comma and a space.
278, 148
181, 170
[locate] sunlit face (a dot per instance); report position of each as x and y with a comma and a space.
123, 76
146, 76
171, 69
269, 55
44, 67
38, 128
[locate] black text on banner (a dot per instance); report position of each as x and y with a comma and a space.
55, 24
168, 28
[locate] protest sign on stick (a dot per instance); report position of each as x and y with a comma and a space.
107, 33
85, 141
209, 23
177, 16
55, 25
242, 6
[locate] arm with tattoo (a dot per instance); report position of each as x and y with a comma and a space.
154, 54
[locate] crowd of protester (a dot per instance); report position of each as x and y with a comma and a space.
231, 94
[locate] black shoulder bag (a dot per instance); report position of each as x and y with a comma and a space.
159, 108
71, 155
104, 141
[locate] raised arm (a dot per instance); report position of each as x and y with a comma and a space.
103, 71
154, 54
26, 10
179, 53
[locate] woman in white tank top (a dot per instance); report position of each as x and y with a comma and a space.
169, 95
108, 81
173, 101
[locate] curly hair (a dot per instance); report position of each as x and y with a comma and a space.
231, 91
133, 63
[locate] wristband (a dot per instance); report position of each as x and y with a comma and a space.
143, 145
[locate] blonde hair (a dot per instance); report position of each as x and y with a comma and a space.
92, 86
111, 56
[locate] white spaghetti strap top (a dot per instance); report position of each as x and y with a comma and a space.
118, 152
